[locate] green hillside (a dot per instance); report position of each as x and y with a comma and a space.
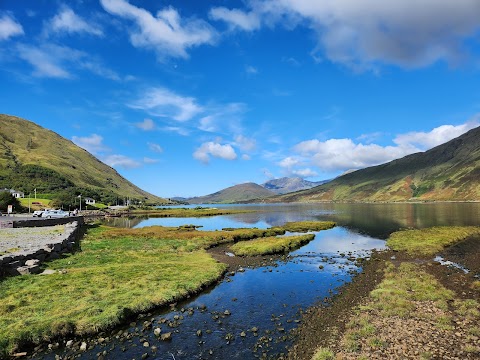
33, 157
448, 172
242, 192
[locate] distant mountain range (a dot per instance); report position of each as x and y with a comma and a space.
448, 172
249, 191
32, 157
241, 192
286, 184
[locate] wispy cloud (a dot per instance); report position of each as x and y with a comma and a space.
166, 33
67, 22
148, 160
245, 143
208, 149
237, 19
49, 60
93, 143
121, 161
9, 27
56, 61
162, 102
146, 125
155, 147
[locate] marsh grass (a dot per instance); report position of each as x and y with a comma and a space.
429, 241
323, 354
270, 245
304, 226
117, 273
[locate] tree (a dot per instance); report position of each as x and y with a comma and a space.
8, 199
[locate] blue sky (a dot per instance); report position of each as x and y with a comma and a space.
185, 98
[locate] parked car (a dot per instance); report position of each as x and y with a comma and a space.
38, 213
49, 214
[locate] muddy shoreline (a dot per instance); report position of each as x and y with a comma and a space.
324, 324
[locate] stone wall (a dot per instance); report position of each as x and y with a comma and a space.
46, 222
28, 261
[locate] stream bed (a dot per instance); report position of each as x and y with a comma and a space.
250, 314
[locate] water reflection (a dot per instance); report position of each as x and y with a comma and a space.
374, 220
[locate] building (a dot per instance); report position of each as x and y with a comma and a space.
89, 201
14, 193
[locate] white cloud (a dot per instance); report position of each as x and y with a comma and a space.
345, 154
342, 154
214, 149
165, 103
246, 157
66, 21
93, 143
166, 33
236, 19
307, 172
146, 125
121, 161
289, 162
155, 147
245, 143
439, 135
9, 27
148, 160
363, 33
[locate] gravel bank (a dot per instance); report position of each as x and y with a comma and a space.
29, 239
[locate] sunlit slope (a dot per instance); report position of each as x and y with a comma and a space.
450, 171
23, 142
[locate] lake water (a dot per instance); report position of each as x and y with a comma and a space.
271, 298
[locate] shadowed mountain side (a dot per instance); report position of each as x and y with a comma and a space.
450, 171
34, 157
241, 192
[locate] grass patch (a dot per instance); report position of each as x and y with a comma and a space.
323, 354
429, 241
403, 286
304, 226
270, 245
35, 204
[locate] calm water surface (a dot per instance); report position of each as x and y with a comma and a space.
272, 298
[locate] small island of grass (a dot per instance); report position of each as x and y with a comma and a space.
429, 241
270, 245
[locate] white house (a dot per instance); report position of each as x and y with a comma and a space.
16, 194
89, 201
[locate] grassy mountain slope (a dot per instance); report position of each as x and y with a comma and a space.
241, 192
450, 171
44, 158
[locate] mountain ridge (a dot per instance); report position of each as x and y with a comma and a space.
46, 159
447, 172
